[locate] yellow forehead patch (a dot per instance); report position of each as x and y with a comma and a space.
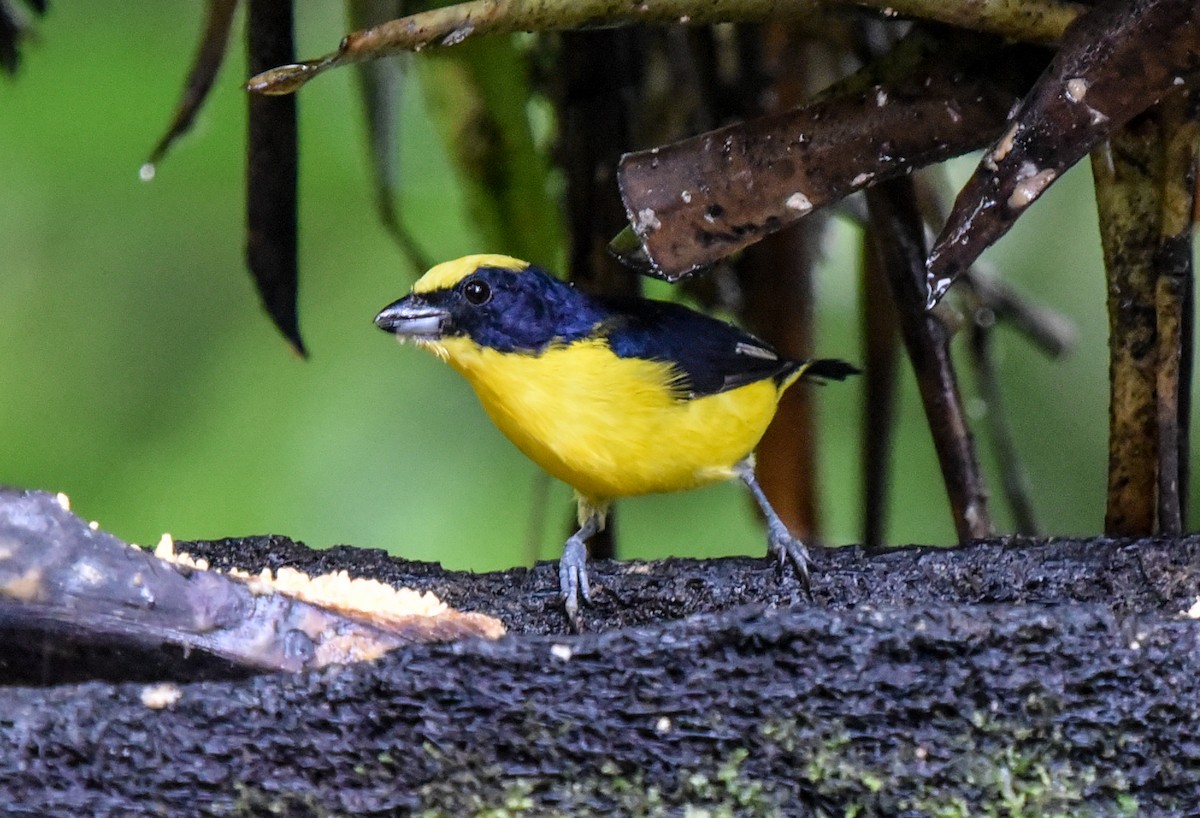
449, 273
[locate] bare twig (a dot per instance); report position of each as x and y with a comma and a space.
1013, 477
900, 234
1024, 20
1047, 329
882, 347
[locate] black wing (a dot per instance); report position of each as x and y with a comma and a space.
711, 356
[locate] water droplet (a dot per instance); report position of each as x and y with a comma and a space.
458, 35
798, 202
647, 221
1076, 89
284, 79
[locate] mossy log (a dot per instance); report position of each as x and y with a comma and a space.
1008, 677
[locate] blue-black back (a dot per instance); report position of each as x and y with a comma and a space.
712, 356
529, 310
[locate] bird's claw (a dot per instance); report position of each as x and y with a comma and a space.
573, 579
790, 551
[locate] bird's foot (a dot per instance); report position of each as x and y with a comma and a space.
573, 579
790, 551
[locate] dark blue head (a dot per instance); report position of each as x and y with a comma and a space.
498, 302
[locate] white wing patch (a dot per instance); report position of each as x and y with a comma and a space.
755, 351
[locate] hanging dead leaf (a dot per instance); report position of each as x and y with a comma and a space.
214, 42
271, 172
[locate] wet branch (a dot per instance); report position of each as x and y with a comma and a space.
900, 235
1018, 20
75, 600
933, 96
1049, 330
1115, 63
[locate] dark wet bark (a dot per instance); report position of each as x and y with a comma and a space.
1175, 308
915, 679
1128, 172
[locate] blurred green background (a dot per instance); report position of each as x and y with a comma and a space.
139, 375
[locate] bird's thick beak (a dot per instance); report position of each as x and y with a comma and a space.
411, 317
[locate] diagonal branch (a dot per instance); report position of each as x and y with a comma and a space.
934, 96
1115, 63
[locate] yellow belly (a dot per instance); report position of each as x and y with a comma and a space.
609, 426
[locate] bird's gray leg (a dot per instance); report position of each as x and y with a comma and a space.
780, 541
572, 567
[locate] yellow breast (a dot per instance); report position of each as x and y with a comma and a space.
608, 426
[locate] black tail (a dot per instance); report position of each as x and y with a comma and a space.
829, 369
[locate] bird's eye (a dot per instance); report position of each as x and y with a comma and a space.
477, 292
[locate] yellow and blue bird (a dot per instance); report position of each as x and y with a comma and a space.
614, 396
